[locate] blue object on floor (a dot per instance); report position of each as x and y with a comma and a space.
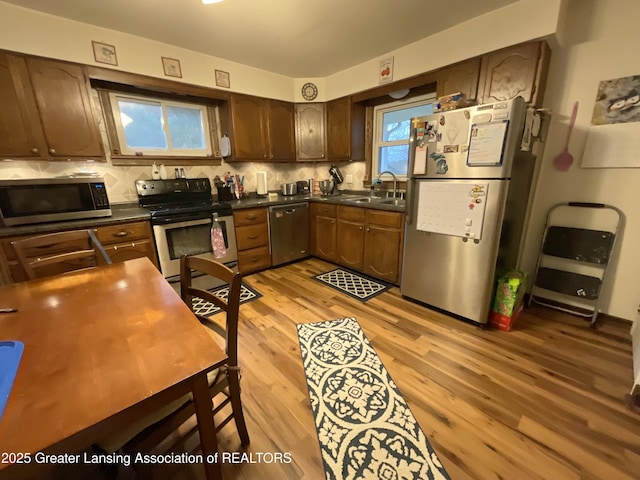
10, 355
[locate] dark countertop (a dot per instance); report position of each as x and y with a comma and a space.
131, 212
121, 213
343, 199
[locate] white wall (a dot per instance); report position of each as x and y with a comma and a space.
28, 31
516, 23
599, 41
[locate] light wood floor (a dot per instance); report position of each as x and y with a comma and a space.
544, 401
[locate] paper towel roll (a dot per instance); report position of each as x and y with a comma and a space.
261, 188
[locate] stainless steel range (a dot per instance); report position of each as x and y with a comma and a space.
181, 215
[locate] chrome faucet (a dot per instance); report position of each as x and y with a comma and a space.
395, 181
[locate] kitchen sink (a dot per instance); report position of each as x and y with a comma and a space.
393, 201
398, 202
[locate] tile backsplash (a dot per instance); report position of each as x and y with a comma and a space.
120, 181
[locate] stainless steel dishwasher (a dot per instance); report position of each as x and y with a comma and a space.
289, 229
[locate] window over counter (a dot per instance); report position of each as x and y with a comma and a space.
392, 128
143, 129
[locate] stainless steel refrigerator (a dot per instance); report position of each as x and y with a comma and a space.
467, 202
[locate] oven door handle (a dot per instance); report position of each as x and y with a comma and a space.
179, 219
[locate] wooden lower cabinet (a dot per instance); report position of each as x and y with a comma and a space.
361, 239
323, 231
370, 241
384, 237
382, 251
252, 236
350, 237
122, 241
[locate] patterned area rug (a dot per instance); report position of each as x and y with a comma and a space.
365, 428
352, 284
202, 307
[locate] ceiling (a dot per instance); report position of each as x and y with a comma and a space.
295, 38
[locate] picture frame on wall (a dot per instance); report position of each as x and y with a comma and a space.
385, 72
222, 79
104, 53
171, 67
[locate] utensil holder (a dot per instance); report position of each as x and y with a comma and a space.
224, 194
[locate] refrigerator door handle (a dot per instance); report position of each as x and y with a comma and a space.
409, 196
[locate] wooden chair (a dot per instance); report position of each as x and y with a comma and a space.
228, 382
225, 383
56, 253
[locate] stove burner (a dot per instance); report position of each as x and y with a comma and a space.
177, 200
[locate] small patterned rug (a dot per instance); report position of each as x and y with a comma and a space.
365, 427
202, 307
357, 286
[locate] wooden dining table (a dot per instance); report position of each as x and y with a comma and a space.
102, 348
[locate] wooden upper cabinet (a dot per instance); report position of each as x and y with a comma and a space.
249, 129
515, 71
263, 129
20, 129
62, 95
345, 130
461, 77
310, 132
280, 118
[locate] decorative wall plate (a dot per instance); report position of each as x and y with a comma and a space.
309, 91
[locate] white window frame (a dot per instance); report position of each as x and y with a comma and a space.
169, 151
378, 113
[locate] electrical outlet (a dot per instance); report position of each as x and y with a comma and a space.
349, 178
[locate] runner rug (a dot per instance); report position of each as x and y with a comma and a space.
365, 427
357, 286
204, 308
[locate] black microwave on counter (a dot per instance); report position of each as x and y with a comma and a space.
28, 201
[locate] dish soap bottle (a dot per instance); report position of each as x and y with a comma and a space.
217, 238
155, 173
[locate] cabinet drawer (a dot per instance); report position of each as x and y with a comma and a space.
130, 250
254, 259
353, 214
251, 236
123, 233
250, 216
325, 210
385, 219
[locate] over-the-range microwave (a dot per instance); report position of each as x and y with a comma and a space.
27, 201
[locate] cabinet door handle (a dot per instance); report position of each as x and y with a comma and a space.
252, 237
332, 222
121, 233
368, 229
252, 217
361, 229
35, 150
132, 245
52, 151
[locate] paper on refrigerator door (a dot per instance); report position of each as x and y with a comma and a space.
453, 132
420, 160
455, 209
487, 143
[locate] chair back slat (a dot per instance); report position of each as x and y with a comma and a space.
56, 253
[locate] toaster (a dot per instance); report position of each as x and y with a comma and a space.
303, 186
